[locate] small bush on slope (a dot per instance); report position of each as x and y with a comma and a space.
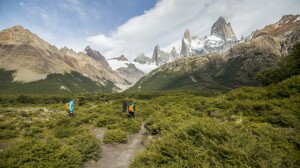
40, 153
87, 144
115, 135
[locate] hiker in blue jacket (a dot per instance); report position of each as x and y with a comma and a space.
71, 108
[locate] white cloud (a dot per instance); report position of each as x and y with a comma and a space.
165, 23
105, 42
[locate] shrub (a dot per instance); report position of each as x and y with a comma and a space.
285, 89
7, 131
64, 127
82, 118
67, 131
87, 145
211, 143
129, 125
115, 135
41, 153
107, 120
25, 99
32, 131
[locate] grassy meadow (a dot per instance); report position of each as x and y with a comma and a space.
246, 127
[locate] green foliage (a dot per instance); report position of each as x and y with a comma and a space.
107, 120
87, 145
246, 127
175, 81
287, 68
41, 153
129, 125
65, 127
7, 131
115, 135
32, 131
207, 142
285, 89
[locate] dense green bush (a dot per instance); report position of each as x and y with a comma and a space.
87, 145
40, 153
115, 135
208, 142
106, 120
7, 130
32, 131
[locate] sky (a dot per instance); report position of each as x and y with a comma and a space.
129, 27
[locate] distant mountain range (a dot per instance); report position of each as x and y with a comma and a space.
221, 39
219, 62
226, 63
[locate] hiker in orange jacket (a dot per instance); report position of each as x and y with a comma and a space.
131, 108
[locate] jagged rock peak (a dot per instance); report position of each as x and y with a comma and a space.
184, 49
286, 18
173, 53
221, 20
173, 50
157, 47
187, 34
66, 49
223, 30
87, 48
92, 53
156, 54
120, 58
96, 55
142, 59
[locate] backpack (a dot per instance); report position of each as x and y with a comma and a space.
130, 108
67, 106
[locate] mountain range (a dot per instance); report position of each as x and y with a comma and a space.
31, 60
234, 67
221, 39
217, 62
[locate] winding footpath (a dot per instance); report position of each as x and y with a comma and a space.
117, 155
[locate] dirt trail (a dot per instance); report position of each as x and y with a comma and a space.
117, 155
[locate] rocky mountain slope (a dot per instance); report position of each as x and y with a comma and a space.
130, 73
96, 55
222, 71
32, 59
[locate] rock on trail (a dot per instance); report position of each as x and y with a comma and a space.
117, 155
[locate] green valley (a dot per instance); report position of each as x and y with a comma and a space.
73, 82
246, 127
